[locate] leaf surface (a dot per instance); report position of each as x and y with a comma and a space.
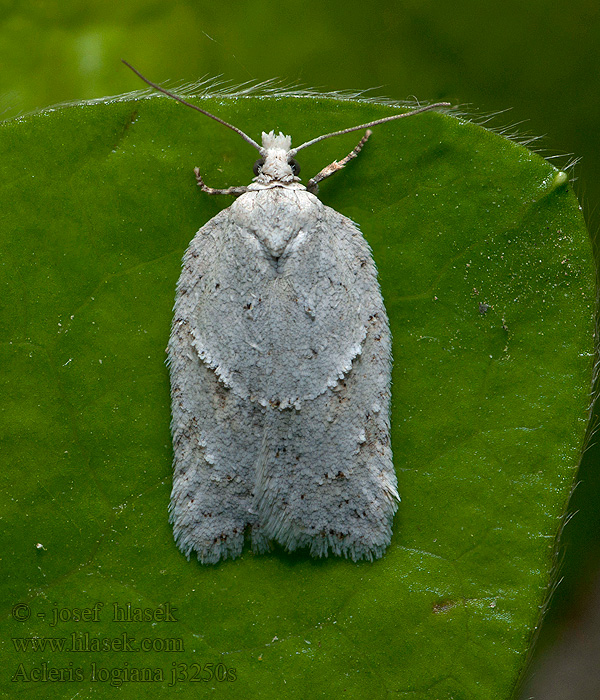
487, 275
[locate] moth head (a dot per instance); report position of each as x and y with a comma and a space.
275, 163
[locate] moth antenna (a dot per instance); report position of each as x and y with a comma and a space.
367, 125
252, 142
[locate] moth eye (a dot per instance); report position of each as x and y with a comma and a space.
257, 169
295, 166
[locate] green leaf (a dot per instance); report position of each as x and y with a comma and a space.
487, 275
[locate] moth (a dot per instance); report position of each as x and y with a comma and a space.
280, 364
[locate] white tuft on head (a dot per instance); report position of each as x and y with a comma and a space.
275, 166
272, 140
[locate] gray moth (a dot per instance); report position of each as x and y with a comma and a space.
280, 364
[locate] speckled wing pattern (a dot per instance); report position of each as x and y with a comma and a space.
280, 361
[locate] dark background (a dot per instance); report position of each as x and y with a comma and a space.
534, 67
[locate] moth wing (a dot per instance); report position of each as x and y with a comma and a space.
325, 478
280, 330
266, 433
214, 432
